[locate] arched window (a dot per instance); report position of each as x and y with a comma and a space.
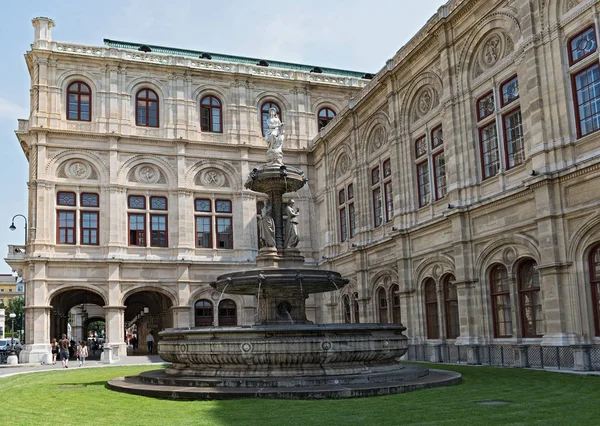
347, 310
356, 308
501, 302
325, 116
595, 283
531, 303
146, 108
395, 298
79, 105
431, 310
203, 313
264, 112
451, 308
210, 114
227, 312
382, 305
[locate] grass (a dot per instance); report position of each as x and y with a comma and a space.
79, 396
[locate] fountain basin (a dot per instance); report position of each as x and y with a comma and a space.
299, 350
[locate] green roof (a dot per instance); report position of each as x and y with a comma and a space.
236, 59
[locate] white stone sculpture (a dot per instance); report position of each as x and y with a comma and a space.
291, 228
267, 225
274, 137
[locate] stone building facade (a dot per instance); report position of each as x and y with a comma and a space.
457, 189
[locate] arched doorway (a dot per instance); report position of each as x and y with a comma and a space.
146, 313
71, 310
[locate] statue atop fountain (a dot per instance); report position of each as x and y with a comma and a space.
274, 136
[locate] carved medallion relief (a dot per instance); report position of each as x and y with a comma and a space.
494, 47
147, 173
425, 101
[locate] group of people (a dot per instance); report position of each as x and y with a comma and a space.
64, 349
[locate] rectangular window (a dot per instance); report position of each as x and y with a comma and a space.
420, 147
510, 91
223, 206
350, 191
65, 199
203, 232
582, 45
343, 225
375, 176
377, 207
205, 118
341, 197
513, 139
158, 230
85, 107
202, 205
587, 100
437, 137
66, 227
89, 200
89, 228
137, 202
439, 171
158, 203
423, 183
489, 150
137, 230
351, 219
141, 113
389, 201
387, 169
224, 233
485, 106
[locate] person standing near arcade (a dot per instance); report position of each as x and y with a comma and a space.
150, 342
64, 346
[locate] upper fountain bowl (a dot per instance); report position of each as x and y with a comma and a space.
275, 178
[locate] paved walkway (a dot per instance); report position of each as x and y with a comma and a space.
10, 370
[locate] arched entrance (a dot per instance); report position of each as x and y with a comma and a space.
71, 310
146, 312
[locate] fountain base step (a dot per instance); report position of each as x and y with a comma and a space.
158, 384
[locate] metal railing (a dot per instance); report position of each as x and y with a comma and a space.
548, 357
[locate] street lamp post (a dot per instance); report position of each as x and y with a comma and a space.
12, 357
12, 227
12, 334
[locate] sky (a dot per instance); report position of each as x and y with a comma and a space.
348, 34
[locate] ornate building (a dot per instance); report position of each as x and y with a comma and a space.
457, 203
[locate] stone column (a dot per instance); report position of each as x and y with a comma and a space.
115, 331
77, 327
181, 317
521, 357
581, 356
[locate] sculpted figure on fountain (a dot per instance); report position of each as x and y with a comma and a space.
267, 225
274, 137
291, 228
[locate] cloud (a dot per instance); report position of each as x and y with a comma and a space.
11, 110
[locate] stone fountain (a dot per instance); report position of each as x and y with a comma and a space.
283, 355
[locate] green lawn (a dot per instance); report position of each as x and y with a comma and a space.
78, 396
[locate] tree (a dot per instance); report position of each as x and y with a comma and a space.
16, 305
